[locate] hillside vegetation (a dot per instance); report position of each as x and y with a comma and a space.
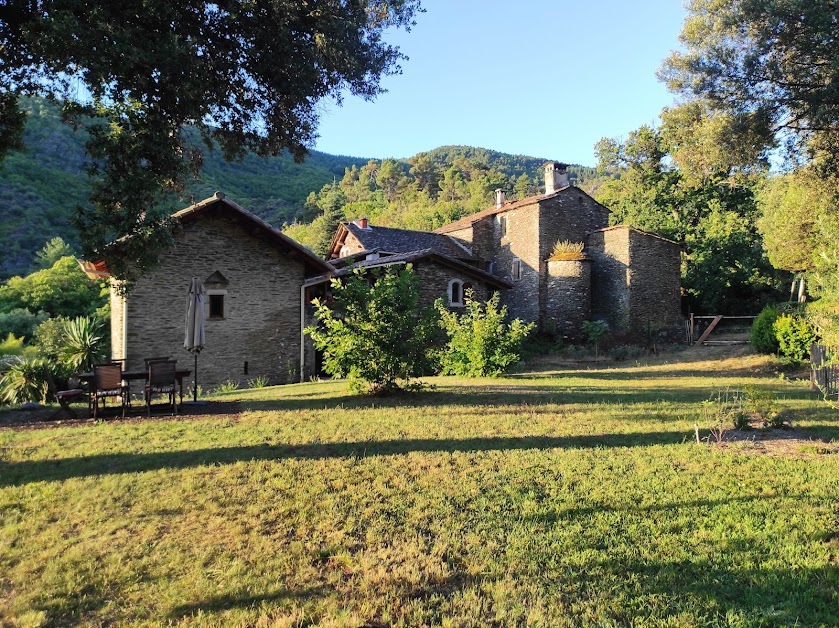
41, 185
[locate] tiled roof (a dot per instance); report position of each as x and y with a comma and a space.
406, 240
468, 221
414, 256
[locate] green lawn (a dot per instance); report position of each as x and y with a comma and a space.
561, 497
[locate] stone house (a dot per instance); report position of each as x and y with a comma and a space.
252, 274
625, 276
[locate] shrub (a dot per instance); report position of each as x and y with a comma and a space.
227, 386
594, 331
480, 343
795, 335
82, 343
260, 381
21, 322
11, 345
24, 380
375, 334
762, 335
627, 352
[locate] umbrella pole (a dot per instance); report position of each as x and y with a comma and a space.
195, 381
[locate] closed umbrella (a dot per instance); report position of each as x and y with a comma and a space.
194, 338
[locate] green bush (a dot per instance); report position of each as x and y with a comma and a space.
762, 336
20, 322
12, 345
795, 335
24, 380
480, 343
375, 335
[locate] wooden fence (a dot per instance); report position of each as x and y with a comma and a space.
824, 373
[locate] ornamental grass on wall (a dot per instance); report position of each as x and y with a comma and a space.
567, 250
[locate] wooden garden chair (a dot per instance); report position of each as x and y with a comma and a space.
107, 382
72, 394
162, 380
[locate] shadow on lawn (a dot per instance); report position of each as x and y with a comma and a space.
16, 473
230, 601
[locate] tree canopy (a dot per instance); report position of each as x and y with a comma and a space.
247, 75
773, 64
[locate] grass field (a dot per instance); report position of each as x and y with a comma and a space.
564, 496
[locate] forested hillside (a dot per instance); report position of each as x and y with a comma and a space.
41, 185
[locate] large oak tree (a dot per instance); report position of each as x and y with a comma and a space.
248, 74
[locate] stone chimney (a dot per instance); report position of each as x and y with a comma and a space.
500, 198
362, 223
556, 177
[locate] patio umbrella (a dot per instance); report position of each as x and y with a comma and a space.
194, 337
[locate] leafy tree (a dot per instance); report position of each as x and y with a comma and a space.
794, 335
770, 63
53, 251
480, 341
708, 204
63, 290
246, 75
374, 333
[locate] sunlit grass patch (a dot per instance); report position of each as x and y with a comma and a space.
569, 496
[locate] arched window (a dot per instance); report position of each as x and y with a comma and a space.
456, 293
345, 250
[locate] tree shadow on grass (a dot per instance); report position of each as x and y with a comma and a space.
232, 601
17, 473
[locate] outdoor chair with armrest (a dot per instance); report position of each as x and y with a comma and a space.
107, 382
162, 380
72, 393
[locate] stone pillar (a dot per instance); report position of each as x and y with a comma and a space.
568, 301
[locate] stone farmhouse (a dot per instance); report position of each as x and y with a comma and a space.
625, 276
260, 283
253, 277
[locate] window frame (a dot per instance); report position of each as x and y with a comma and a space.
516, 269
452, 301
215, 295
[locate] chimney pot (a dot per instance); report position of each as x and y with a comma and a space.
500, 197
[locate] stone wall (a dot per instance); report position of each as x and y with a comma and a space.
434, 282
655, 285
261, 323
568, 298
636, 281
609, 253
568, 215
520, 242
117, 324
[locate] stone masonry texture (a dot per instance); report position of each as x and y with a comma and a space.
261, 325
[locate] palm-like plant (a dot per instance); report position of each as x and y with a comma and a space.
24, 380
82, 346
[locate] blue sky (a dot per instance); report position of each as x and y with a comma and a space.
534, 77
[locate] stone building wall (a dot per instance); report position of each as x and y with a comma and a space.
655, 285
568, 296
435, 280
569, 215
520, 242
609, 253
352, 244
261, 323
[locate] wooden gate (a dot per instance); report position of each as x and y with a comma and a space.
824, 373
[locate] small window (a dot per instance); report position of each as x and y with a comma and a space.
216, 306
455, 292
502, 225
516, 271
